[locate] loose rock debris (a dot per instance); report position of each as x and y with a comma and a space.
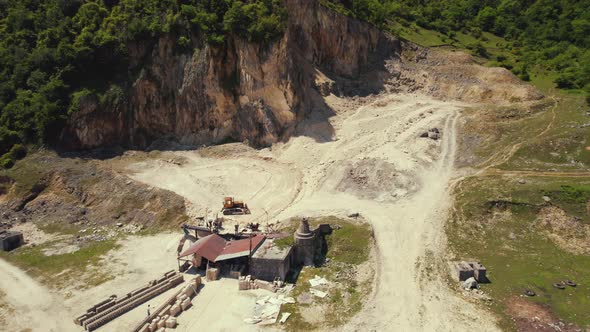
317, 281
267, 310
284, 317
432, 133
318, 293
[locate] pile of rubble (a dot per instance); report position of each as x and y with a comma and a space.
95, 234
432, 133
102, 233
316, 282
129, 228
267, 310
472, 289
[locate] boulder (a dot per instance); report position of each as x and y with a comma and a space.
470, 283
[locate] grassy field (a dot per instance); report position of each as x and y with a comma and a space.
81, 267
348, 248
496, 222
522, 215
563, 145
500, 215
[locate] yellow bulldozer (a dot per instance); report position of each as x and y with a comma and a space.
234, 207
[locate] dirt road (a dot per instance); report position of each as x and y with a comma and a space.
33, 305
376, 164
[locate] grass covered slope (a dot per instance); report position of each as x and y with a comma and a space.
349, 270
82, 267
527, 242
525, 210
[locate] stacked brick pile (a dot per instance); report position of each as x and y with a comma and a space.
247, 282
165, 315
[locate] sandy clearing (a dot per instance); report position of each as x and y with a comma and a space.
36, 308
303, 177
264, 185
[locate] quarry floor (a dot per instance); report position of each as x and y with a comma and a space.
375, 163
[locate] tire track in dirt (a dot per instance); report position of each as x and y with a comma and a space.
34, 306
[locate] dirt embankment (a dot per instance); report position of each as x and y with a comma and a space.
78, 193
566, 231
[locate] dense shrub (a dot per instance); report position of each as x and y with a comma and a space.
54, 54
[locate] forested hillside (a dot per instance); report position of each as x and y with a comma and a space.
54, 52
547, 34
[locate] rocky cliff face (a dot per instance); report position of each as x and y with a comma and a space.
240, 91
260, 93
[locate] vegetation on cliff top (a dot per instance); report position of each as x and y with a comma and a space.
55, 53
552, 35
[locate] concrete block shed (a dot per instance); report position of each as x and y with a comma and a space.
10, 240
463, 271
270, 262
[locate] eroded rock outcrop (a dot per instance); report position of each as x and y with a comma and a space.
259, 93
241, 91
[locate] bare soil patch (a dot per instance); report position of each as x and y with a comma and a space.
376, 179
566, 231
530, 316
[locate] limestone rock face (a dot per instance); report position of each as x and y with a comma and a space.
240, 90
255, 93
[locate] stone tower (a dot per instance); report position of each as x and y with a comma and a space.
305, 244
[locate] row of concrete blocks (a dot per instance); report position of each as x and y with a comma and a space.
134, 303
113, 300
113, 307
165, 315
247, 282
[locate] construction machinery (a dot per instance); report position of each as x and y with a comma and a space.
234, 207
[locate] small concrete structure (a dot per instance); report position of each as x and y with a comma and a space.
305, 244
270, 262
465, 270
10, 240
479, 271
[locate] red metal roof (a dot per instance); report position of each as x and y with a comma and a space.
208, 247
214, 248
239, 248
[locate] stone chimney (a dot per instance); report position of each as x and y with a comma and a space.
305, 243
